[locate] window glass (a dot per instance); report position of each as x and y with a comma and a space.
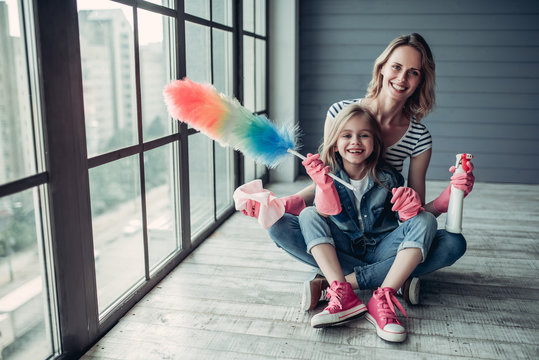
161, 196
200, 8
24, 319
155, 72
248, 15
167, 3
249, 72
224, 177
17, 150
108, 73
117, 228
260, 75
222, 11
201, 182
222, 62
197, 39
260, 17
249, 94
261, 170
249, 169
223, 81
28, 327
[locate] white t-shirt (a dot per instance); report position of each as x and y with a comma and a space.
360, 186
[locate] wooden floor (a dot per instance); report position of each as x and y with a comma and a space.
238, 296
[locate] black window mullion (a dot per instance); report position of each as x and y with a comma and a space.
68, 187
183, 146
140, 147
23, 184
237, 61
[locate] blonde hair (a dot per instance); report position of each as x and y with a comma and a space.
332, 158
423, 99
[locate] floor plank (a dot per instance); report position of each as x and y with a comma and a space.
238, 295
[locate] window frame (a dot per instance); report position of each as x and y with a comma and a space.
66, 175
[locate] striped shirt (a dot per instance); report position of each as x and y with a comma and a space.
415, 141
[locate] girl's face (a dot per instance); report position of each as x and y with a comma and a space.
401, 73
355, 143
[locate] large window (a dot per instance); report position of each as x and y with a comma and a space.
101, 192
209, 58
126, 62
28, 327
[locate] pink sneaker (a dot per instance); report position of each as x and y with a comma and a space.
343, 305
383, 316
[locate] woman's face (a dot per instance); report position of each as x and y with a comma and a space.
401, 73
355, 142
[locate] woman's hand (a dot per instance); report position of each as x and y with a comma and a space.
293, 204
406, 202
252, 208
462, 181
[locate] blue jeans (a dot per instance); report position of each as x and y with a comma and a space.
297, 234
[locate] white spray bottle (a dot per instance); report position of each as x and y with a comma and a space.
453, 222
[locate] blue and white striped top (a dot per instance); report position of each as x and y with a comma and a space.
415, 141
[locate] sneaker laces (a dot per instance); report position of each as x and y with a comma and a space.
335, 296
386, 299
324, 294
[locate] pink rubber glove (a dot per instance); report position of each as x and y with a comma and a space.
293, 204
406, 202
252, 208
461, 181
326, 197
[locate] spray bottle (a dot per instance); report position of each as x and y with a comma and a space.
453, 222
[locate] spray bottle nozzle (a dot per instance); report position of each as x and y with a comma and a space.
461, 161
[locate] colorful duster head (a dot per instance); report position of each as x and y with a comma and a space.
224, 119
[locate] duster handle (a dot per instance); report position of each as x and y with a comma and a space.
334, 177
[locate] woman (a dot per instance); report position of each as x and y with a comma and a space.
399, 95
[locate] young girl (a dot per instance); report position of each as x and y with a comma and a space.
358, 232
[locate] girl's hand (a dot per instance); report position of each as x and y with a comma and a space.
316, 170
326, 198
406, 202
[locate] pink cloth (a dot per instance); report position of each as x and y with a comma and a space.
271, 207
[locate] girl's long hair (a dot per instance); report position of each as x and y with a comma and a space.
423, 99
333, 159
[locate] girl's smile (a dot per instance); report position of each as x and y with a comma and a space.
355, 145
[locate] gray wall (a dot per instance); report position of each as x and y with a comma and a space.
487, 62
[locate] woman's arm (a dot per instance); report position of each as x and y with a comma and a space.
307, 194
417, 173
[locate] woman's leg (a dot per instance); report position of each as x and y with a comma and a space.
415, 236
287, 235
